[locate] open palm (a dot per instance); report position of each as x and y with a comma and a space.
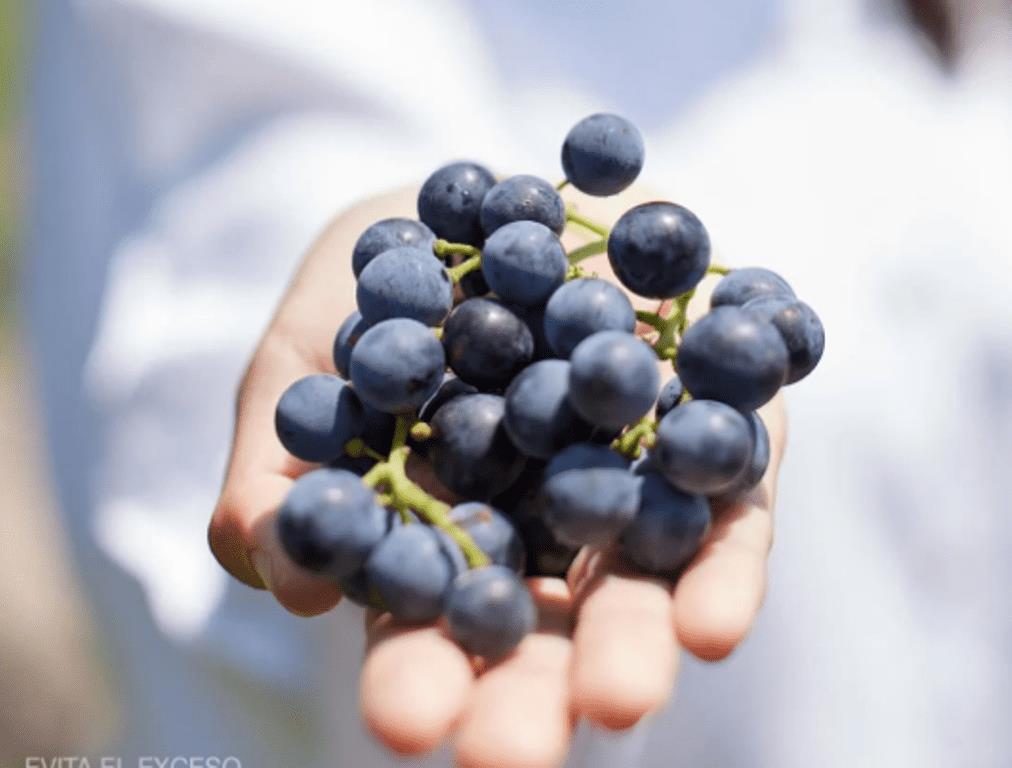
608, 639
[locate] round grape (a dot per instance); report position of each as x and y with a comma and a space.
316, 416
471, 453
450, 388
589, 495
357, 588
329, 522
524, 262
486, 344
492, 532
602, 154
659, 250
489, 611
348, 334
546, 555
703, 446
758, 461
799, 327
538, 417
668, 527
388, 234
404, 282
522, 198
411, 570
534, 317
583, 307
377, 428
613, 380
397, 365
747, 283
731, 356
449, 201
670, 395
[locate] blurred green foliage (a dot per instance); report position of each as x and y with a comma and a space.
12, 50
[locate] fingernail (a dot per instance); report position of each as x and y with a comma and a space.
262, 565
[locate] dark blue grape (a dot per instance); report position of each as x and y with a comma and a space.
492, 532
450, 201
602, 154
471, 453
534, 317
489, 611
348, 334
526, 486
583, 307
747, 283
538, 417
670, 395
329, 522
659, 250
404, 282
486, 344
450, 388
387, 234
703, 446
397, 365
524, 263
316, 416
758, 461
799, 327
589, 495
613, 380
668, 527
732, 356
523, 198
377, 428
412, 569
546, 555
357, 588
474, 284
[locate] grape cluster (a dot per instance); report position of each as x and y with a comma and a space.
532, 389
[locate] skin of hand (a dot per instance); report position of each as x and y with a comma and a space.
608, 640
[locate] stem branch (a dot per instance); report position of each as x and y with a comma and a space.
404, 495
582, 221
465, 267
586, 251
446, 248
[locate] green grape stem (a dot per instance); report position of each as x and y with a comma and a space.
404, 495
717, 269
446, 248
465, 267
642, 432
586, 251
589, 224
562, 185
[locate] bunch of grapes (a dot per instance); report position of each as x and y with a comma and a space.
533, 391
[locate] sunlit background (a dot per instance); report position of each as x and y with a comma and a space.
875, 430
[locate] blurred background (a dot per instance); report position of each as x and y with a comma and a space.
167, 161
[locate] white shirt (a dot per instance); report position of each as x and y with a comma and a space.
187, 151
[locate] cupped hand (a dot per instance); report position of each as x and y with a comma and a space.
608, 640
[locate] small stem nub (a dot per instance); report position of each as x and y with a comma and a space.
421, 431
717, 269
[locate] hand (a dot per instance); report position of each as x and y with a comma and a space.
608, 639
